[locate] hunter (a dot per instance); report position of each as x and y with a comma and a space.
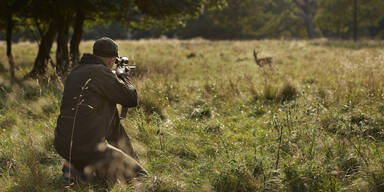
89, 135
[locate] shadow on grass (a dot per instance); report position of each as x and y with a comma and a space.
2, 68
54, 184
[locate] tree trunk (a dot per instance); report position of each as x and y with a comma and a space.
309, 14
10, 25
310, 26
308, 8
355, 22
62, 56
76, 38
43, 54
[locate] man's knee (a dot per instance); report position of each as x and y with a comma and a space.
115, 166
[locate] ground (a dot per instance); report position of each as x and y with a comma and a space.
210, 119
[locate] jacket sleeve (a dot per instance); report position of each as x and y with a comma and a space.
115, 90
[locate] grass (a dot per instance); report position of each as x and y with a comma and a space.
209, 119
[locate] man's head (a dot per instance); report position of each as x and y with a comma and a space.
107, 50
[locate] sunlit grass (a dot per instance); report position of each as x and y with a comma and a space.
210, 119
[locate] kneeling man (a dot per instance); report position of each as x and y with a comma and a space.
89, 135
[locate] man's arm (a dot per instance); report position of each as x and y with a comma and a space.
115, 90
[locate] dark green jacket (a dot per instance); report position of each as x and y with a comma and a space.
91, 93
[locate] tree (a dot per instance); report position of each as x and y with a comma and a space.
281, 20
355, 21
132, 13
54, 18
247, 19
308, 12
76, 37
8, 14
44, 16
342, 17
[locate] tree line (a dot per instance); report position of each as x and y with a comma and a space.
257, 19
67, 22
53, 20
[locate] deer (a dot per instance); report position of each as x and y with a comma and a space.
262, 61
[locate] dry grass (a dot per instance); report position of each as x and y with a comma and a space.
211, 120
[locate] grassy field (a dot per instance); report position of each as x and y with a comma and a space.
210, 119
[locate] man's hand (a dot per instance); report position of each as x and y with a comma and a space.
123, 71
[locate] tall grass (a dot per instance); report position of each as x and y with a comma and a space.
209, 119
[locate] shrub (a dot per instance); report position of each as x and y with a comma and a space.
287, 93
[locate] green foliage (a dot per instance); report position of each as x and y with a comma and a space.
244, 20
336, 16
213, 19
235, 177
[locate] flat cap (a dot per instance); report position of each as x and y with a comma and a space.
105, 47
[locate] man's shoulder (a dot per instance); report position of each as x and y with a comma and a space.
89, 68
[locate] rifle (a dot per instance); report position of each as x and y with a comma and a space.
123, 70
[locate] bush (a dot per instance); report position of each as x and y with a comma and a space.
287, 93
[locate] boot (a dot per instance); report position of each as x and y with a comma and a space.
71, 174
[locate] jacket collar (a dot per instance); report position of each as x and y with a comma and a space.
90, 59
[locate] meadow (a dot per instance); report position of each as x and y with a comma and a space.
210, 119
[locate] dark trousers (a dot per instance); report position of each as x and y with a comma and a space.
117, 163
119, 139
